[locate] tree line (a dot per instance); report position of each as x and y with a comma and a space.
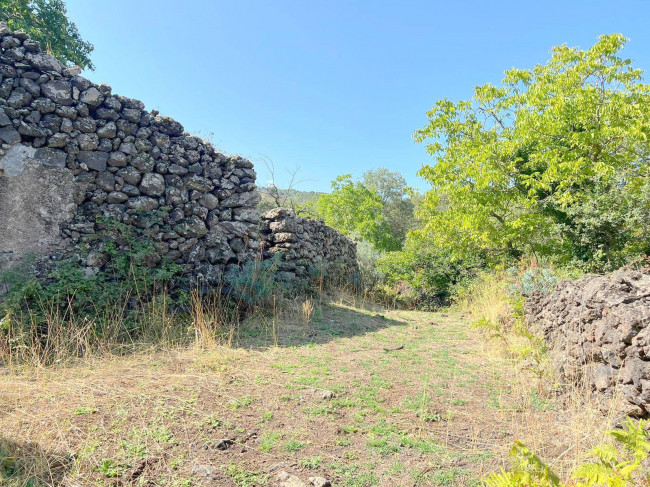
551, 164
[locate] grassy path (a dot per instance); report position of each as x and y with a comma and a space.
358, 397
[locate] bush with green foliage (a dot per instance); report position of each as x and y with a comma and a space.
255, 283
532, 280
425, 275
368, 258
128, 272
46, 21
552, 162
614, 465
378, 209
397, 198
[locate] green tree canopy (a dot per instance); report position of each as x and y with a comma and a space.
552, 161
46, 22
356, 211
396, 197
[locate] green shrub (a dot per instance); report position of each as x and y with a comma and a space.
609, 228
532, 280
74, 306
426, 276
130, 270
255, 283
367, 259
354, 209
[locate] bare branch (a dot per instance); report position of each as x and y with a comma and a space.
282, 198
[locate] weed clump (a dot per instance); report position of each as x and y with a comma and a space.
74, 309
619, 464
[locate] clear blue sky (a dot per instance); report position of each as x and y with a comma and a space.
331, 86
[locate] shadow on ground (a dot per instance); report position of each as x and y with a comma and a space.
24, 464
329, 322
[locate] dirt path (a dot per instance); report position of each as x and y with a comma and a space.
360, 398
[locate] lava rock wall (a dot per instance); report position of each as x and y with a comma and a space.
74, 155
307, 246
598, 329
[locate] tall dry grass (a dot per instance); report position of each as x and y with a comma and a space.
46, 332
523, 364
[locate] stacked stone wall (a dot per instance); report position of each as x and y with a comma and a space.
73, 155
307, 246
598, 329
76, 159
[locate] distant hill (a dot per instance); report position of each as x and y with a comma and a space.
290, 197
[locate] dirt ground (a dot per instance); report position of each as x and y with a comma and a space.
359, 397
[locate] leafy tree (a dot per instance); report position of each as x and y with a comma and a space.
397, 199
391, 186
46, 22
355, 210
553, 161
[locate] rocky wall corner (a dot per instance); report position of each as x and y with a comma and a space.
74, 154
306, 245
598, 329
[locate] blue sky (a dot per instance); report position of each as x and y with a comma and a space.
333, 86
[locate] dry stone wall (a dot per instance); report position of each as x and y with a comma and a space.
75, 159
306, 245
73, 154
598, 329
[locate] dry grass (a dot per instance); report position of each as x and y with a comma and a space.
417, 399
524, 363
